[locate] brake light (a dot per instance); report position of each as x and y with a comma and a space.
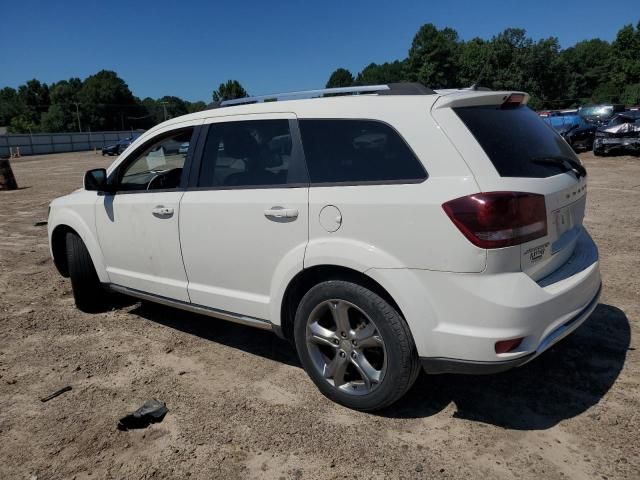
514, 100
499, 219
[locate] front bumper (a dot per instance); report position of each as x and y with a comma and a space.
617, 144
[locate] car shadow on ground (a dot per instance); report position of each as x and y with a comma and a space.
248, 339
562, 383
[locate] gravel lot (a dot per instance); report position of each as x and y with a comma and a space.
242, 407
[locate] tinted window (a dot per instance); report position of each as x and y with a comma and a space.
158, 165
514, 138
355, 151
249, 153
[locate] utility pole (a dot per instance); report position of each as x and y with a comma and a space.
164, 107
78, 115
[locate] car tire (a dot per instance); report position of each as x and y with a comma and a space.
88, 292
378, 346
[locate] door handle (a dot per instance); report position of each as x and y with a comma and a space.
281, 212
162, 211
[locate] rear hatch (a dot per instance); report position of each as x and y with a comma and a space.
510, 149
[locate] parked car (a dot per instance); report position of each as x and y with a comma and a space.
379, 233
620, 135
184, 148
118, 147
574, 129
600, 114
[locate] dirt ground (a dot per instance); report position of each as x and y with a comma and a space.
240, 406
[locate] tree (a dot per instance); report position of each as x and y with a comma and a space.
10, 105
229, 91
341, 77
475, 65
588, 65
433, 57
374, 74
196, 106
62, 115
35, 98
631, 94
107, 102
626, 57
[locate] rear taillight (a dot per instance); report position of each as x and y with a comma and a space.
499, 219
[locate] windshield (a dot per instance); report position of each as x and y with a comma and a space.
598, 111
513, 138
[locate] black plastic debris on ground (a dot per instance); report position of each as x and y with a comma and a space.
152, 411
55, 394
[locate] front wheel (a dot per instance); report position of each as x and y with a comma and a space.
354, 345
87, 289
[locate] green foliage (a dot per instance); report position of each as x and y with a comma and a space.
433, 57
631, 94
34, 97
10, 105
374, 74
22, 124
229, 91
588, 65
590, 71
196, 106
106, 101
341, 77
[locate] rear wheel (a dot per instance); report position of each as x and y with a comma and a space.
356, 347
87, 289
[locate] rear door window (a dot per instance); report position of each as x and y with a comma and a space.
514, 138
357, 151
250, 153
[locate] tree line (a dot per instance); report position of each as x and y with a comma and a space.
101, 102
591, 71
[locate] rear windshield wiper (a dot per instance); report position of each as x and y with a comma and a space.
571, 164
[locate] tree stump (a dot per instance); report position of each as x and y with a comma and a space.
7, 180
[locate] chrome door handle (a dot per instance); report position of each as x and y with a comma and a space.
281, 212
162, 211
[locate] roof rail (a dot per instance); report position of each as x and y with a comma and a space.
304, 94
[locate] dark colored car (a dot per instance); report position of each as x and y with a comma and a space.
118, 147
600, 114
620, 135
578, 132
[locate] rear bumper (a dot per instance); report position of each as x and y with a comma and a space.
470, 367
457, 318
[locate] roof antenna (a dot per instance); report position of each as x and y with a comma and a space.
476, 85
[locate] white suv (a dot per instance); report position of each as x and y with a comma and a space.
383, 231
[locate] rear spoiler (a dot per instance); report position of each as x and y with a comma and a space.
470, 98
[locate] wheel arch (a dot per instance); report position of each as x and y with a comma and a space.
68, 221
302, 282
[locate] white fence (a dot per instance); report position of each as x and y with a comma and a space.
41, 143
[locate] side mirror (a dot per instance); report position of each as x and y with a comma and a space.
96, 180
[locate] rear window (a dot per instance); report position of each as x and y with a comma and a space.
357, 151
513, 138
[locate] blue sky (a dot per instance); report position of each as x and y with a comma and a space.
187, 48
